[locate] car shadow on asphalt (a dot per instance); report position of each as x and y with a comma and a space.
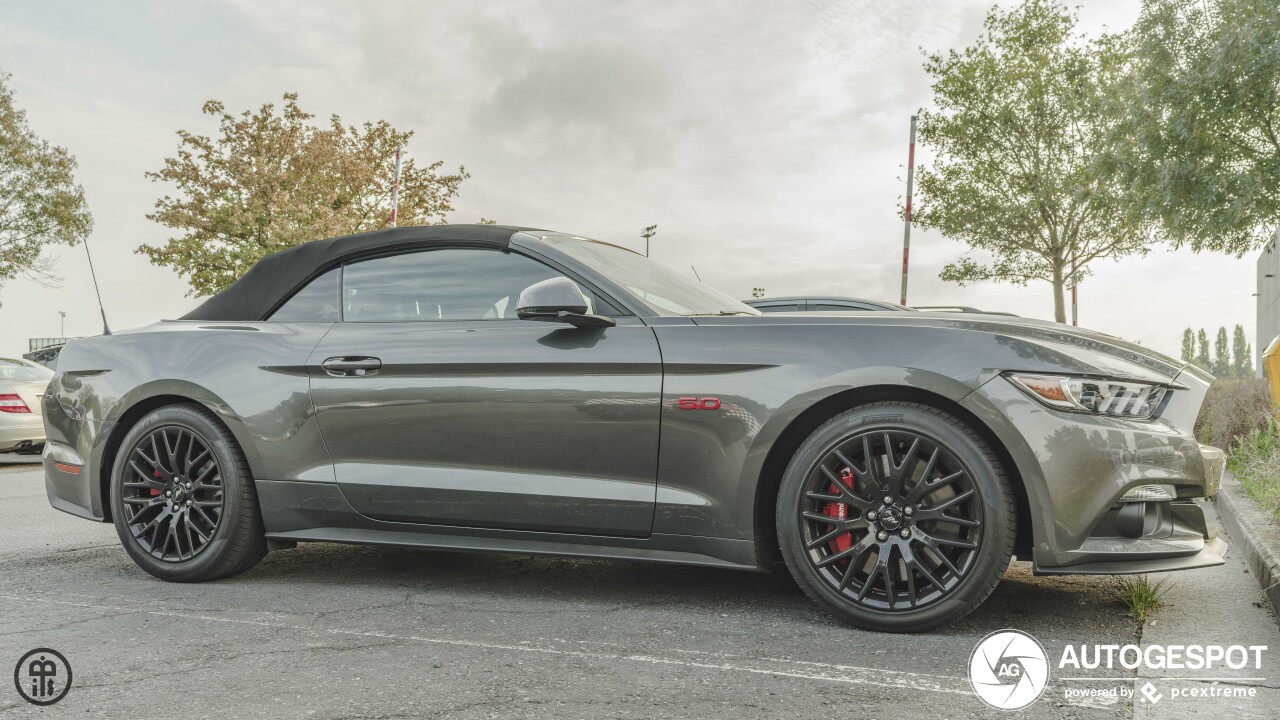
1021, 600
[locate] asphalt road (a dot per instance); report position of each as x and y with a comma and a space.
333, 631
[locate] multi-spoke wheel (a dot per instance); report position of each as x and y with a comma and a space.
897, 516
179, 486
172, 493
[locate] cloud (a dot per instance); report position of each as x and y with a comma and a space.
767, 140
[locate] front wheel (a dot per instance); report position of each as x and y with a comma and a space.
896, 516
182, 499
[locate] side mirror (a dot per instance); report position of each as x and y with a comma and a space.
558, 300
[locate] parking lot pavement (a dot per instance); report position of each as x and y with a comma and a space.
332, 631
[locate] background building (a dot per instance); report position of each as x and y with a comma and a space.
1268, 300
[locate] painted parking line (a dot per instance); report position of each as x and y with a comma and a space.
824, 672
724, 662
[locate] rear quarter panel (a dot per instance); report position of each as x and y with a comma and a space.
251, 375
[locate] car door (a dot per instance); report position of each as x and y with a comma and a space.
438, 406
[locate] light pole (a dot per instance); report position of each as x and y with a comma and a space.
757, 293
906, 229
1075, 317
395, 189
62, 324
648, 233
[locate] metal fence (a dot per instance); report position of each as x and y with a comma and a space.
34, 344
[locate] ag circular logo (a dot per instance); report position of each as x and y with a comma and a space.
42, 676
1008, 669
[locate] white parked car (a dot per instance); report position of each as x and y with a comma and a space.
22, 385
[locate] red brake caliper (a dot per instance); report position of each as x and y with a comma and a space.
155, 491
840, 511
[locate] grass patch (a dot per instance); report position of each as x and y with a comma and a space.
1255, 461
1141, 596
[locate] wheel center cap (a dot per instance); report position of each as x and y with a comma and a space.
890, 518
179, 493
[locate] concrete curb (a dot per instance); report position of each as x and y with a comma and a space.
1256, 535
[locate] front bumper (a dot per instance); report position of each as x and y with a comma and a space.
1076, 469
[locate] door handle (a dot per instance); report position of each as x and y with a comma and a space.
351, 366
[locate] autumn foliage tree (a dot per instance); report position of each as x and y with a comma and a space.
40, 202
272, 179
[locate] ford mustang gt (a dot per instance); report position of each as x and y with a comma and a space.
491, 388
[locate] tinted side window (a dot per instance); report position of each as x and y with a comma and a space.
778, 308
316, 302
450, 284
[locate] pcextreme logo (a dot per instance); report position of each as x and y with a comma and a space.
1008, 669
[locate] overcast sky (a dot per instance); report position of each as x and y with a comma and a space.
767, 140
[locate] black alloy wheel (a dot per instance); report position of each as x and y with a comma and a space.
182, 497
172, 493
896, 516
891, 519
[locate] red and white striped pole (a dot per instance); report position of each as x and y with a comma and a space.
906, 231
395, 190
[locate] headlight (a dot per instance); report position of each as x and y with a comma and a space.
1119, 398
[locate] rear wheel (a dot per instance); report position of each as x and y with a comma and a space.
896, 516
182, 498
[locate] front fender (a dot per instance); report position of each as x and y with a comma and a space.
861, 378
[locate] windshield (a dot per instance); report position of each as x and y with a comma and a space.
666, 292
23, 371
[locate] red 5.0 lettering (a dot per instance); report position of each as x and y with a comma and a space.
689, 402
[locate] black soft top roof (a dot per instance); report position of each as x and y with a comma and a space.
275, 277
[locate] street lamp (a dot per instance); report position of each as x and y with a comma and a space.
757, 293
62, 324
648, 233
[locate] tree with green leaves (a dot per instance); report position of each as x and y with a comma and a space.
40, 202
1235, 361
1020, 118
1198, 151
1243, 353
1188, 345
1202, 356
272, 180
1221, 354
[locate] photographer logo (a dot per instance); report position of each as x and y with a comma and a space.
42, 676
1008, 669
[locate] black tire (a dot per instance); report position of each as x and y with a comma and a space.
921, 539
236, 540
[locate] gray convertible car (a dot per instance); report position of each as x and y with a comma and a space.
492, 388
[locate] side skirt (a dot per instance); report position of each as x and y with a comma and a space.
296, 511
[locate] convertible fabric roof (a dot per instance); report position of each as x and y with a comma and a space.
275, 277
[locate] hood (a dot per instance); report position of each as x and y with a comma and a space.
1107, 354
1080, 341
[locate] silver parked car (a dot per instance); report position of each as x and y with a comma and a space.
22, 385
821, 304
503, 389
